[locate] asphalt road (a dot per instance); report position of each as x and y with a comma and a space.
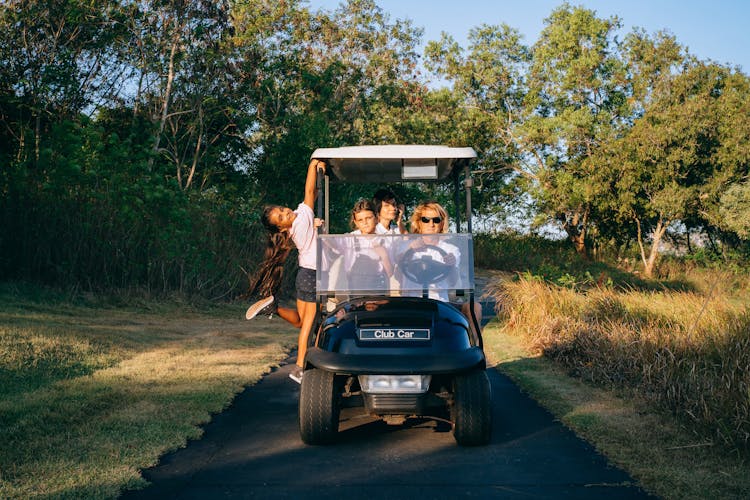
253, 450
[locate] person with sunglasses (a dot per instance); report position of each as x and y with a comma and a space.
430, 218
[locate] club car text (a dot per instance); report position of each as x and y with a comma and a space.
394, 334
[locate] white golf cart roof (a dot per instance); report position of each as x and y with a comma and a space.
393, 163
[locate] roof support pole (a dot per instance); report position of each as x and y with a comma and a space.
468, 184
457, 200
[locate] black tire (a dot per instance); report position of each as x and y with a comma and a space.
472, 409
319, 407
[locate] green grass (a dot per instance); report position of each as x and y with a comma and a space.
89, 396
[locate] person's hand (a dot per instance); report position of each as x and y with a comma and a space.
318, 222
416, 244
400, 213
450, 259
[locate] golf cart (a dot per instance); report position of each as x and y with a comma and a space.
393, 345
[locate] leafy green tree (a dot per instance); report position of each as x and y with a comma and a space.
481, 108
56, 63
576, 104
317, 79
676, 161
185, 83
734, 209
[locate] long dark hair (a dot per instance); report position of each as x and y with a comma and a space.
380, 196
267, 277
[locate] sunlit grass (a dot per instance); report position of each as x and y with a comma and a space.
667, 459
90, 395
683, 353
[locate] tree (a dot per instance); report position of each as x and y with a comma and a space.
576, 104
319, 79
734, 209
185, 83
481, 108
58, 61
675, 162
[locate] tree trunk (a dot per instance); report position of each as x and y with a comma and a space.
576, 227
650, 261
167, 93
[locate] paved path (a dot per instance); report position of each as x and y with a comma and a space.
253, 450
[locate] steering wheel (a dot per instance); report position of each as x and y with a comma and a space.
420, 267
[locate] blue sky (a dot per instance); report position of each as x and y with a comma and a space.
716, 30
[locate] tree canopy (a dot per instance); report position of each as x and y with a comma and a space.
139, 139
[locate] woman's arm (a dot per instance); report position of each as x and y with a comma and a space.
311, 190
385, 260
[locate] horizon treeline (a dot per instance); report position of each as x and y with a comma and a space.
139, 139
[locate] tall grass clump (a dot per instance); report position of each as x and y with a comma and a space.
685, 352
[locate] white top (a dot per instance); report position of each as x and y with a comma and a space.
380, 229
303, 235
438, 290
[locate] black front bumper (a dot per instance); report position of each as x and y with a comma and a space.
397, 364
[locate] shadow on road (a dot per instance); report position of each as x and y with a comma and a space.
253, 450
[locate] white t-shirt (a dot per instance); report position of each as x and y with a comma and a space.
439, 290
303, 235
380, 229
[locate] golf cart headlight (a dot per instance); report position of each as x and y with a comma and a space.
415, 384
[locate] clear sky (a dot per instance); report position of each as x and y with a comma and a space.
711, 29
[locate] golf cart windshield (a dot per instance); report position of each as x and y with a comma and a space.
435, 266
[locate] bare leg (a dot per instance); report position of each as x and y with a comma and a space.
307, 316
477, 312
290, 315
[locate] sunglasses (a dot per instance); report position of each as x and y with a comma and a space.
436, 220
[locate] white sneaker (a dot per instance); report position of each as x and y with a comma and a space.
296, 374
258, 307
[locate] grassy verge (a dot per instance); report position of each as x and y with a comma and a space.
660, 451
91, 395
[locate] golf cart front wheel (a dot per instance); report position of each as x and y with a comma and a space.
472, 409
319, 407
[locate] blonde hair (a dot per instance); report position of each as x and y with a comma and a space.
416, 218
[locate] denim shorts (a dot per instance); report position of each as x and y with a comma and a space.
305, 284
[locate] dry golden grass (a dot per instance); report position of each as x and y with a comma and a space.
686, 354
91, 396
